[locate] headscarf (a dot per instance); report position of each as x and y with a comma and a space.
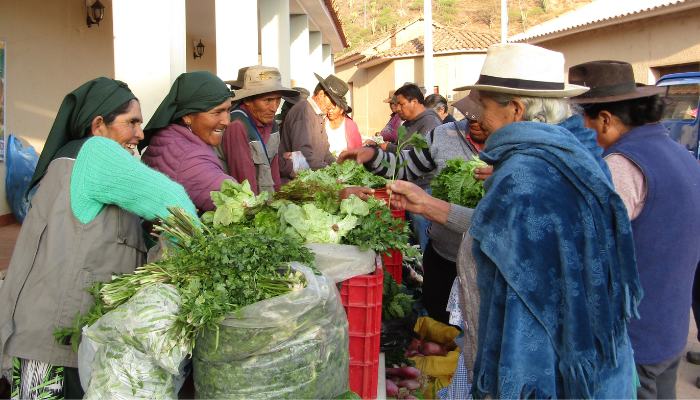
192, 92
97, 97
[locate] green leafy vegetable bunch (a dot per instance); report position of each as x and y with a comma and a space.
216, 274
456, 183
347, 174
394, 303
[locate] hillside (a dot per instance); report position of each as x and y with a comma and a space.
482, 16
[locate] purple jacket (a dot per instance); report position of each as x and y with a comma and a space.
186, 159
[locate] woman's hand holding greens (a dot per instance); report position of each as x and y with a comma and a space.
408, 196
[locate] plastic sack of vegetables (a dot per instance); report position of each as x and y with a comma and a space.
342, 262
134, 357
290, 346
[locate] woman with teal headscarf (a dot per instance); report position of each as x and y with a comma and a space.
180, 136
83, 226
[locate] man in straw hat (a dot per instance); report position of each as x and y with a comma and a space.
304, 129
552, 242
651, 172
249, 147
462, 139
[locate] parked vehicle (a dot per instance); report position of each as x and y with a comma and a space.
681, 116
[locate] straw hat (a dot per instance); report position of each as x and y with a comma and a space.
259, 80
609, 81
469, 106
524, 69
391, 98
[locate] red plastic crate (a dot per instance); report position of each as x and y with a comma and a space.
394, 264
364, 320
364, 348
363, 379
364, 290
398, 214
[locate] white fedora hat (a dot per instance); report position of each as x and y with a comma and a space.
519, 68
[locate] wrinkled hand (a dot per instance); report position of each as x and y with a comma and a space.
358, 191
360, 155
407, 196
483, 173
287, 155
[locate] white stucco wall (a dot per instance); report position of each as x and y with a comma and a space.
50, 52
660, 41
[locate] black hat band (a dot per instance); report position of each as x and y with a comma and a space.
514, 83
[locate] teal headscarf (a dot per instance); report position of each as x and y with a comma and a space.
97, 97
192, 92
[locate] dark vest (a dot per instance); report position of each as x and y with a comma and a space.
666, 239
263, 172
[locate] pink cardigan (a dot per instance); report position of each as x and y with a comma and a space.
352, 134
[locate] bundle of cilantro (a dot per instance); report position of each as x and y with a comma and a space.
456, 183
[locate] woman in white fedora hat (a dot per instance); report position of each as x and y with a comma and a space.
552, 242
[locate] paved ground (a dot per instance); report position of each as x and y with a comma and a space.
687, 373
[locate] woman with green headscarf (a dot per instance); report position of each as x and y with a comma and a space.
182, 132
82, 227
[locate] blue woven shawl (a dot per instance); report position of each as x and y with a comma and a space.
557, 272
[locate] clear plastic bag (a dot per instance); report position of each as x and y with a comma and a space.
119, 371
299, 161
291, 346
127, 353
342, 262
21, 164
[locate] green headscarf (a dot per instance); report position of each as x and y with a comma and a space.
97, 97
192, 92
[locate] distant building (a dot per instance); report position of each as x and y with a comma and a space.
658, 37
372, 70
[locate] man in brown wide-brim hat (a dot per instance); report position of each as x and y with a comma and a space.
304, 130
249, 147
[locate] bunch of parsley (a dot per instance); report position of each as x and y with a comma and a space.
217, 273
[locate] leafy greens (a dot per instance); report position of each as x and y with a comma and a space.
456, 182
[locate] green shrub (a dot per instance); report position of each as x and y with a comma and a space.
416, 5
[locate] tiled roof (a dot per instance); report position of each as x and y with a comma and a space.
359, 49
597, 11
332, 6
444, 39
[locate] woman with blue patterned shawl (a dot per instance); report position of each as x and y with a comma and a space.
552, 241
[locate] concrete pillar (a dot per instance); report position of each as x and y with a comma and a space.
236, 48
299, 49
159, 42
327, 57
315, 56
274, 36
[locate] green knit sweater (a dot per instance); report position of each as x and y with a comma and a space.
104, 173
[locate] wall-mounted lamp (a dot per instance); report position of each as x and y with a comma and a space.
198, 49
97, 10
